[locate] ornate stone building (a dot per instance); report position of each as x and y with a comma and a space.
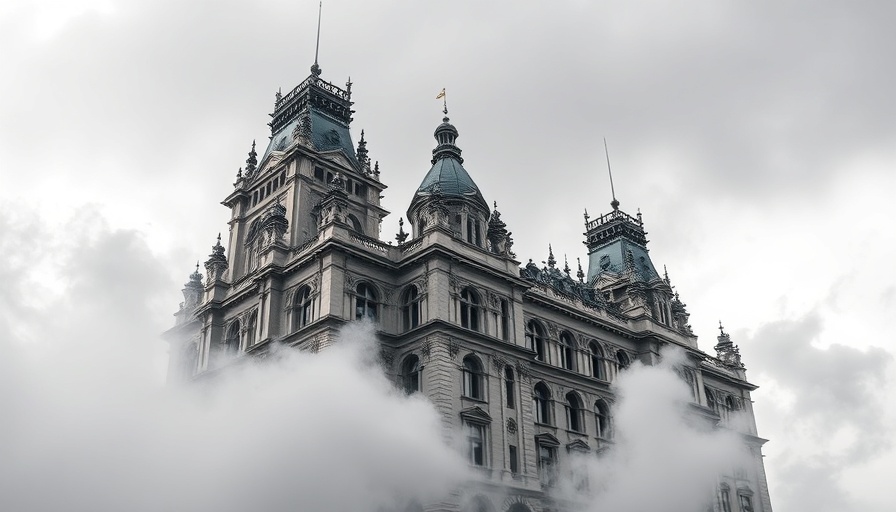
518, 359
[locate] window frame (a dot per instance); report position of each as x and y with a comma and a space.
366, 304
541, 403
470, 309
411, 308
473, 382
411, 374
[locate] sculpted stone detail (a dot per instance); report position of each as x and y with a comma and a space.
511, 426
426, 348
453, 347
498, 362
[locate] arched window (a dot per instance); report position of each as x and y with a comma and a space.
535, 339
597, 361
509, 387
410, 308
725, 498
410, 374
622, 360
365, 302
356, 224
567, 351
469, 309
303, 308
473, 378
574, 412
602, 419
711, 401
232, 339
251, 329
542, 404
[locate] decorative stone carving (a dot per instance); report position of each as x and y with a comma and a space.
216, 264
511, 426
453, 347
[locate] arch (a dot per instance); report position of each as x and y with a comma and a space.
478, 503
410, 374
622, 360
473, 378
469, 308
365, 302
410, 308
509, 387
535, 338
574, 412
597, 360
567, 351
303, 308
232, 338
541, 397
356, 224
602, 419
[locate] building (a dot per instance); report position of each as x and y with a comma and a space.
519, 359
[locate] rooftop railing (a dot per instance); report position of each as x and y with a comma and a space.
613, 216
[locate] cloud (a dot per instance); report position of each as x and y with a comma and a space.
89, 425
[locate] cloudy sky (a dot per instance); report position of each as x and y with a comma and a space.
757, 139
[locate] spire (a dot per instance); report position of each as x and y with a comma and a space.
614, 203
315, 68
566, 268
551, 260
361, 154
666, 275
401, 236
726, 350
216, 263
580, 274
252, 161
376, 170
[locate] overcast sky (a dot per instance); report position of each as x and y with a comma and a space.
757, 139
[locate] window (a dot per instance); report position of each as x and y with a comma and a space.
473, 381
535, 339
504, 323
509, 387
746, 503
232, 340
542, 404
711, 401
251, 328
597, 361
474, 234
725, 499
547, 464
475, 443
567, 351
410, 308
410, 374
622, 360
356, 224
602, 419
574, 412
469, 309
365, 302
303, 308
514, 460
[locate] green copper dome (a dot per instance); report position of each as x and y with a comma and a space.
447, 176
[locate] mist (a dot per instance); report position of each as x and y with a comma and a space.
664, 457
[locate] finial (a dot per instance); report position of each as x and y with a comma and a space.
580, 274
401, 236
444, 97
278, 96
239, 173
721, 329
315, 69
362, 135
586, 216
565, 265
197, 266
376, 169
348, 86
614, 203
252, 161
551, 260
665, 273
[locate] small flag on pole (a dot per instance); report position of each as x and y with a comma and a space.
441, 94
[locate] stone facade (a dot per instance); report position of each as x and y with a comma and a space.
520, 360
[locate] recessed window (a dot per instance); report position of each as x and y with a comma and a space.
365, 302
622, 360
504, 323
602, 419
475, 443
319, 173
547, 465
473, 378
574, 412
746, 503
514, 460
535, 339
541, 397
410, 308
567, 351
509, 387
303, 308
251, 329
597, 361
410, 374
725, 499
469, 309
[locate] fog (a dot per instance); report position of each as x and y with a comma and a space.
88, 423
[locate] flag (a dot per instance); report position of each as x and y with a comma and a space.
441, 94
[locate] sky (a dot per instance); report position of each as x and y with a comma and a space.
756, 138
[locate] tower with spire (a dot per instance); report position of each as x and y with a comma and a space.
522, 360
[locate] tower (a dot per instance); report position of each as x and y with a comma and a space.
519, 361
